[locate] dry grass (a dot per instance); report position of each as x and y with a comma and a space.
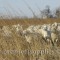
27, 21
20, 44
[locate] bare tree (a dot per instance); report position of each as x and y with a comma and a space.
57, 13
46, 13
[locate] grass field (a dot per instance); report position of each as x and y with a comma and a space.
15, 44
27, 21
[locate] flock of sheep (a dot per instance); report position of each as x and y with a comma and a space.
49, 32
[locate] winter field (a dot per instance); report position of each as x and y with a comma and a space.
30, 39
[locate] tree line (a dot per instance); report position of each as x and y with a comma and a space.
48, 13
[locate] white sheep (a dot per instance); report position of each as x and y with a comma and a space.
6, 31
18, 29
37, 27
43, 33
30, 29
58, 29
30, 36
54, 32
46, 33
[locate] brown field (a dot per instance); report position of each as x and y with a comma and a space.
19, 43
27, 21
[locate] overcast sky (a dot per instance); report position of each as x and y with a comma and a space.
20, 8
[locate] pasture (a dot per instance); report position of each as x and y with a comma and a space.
13, 44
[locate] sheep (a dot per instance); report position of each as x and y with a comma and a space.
42, 31
48, 32
58, 29
54, 32
45, 32
6, 31
54, 37
37, 27
30, 29
44, 26
30, 36
49, 27
26, 36
17, 29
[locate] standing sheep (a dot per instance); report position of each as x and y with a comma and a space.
6, 31
17, 29
54, 32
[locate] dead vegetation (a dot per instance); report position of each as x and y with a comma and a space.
18, 43
26, 21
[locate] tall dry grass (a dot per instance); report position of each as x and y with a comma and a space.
19, 43
27, 21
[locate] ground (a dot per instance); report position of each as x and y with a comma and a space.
10, 47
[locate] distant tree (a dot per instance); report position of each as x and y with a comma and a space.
57, 13
46, 13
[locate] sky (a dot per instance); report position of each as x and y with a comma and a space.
21, 7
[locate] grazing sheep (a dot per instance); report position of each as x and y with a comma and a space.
54, 37
31, 36
43, 33
28, 38
30, 29
47, 31
6, 31
49, 27
17, 29
54, 32
37, 27
58, 29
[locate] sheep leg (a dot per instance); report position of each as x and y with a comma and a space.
44, 39
52, 42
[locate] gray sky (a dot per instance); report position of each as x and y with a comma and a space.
20, 8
